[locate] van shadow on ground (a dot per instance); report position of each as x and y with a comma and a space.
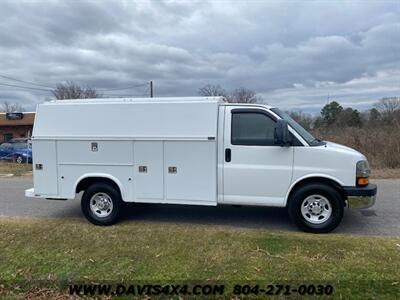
246, 217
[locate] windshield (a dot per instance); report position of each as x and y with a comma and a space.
5, 146
296, 126
20, 145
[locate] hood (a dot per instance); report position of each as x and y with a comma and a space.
26, 150
344, 149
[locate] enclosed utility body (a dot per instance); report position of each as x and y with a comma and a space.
199, 151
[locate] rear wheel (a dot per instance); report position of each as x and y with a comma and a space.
316, 208
101, 204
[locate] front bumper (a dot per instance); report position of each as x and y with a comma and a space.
31, 193
361, 197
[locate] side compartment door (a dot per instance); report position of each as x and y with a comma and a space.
256, 171
190, 172
148, 175
45, 178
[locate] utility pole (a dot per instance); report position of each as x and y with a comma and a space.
151, 88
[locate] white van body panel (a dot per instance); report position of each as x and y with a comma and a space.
118, 139
335, 162
331, 161
172, 150
103, 175
118, 119
220, 154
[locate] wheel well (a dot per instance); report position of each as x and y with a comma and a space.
86, 182
320, 180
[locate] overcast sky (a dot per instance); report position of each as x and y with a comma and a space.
293, 54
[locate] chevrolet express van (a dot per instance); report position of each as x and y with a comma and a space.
193, 151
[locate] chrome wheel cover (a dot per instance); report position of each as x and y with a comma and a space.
101, 205
316, 209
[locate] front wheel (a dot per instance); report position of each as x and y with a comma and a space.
19, 159
316, 208
101, 204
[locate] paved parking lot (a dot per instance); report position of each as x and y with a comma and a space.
382, 219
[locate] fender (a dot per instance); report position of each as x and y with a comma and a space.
312, 175
102, 175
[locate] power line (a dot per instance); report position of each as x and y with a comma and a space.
23, 81
52, 88
25, 87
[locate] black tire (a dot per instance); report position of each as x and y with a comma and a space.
102, 189
311, 190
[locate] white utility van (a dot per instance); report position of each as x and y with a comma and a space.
196, 151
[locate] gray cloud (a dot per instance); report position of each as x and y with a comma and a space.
293, 53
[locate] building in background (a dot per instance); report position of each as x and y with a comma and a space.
16, 125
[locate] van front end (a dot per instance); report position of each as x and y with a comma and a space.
363, 195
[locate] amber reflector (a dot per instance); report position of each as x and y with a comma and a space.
362, 181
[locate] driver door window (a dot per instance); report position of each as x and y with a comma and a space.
252, 129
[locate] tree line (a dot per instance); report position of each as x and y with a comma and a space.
72, 90
333, 115
239, 95
386, 111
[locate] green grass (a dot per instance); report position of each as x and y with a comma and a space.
74, 251
14, 168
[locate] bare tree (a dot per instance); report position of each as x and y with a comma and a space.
243, 95
212, 90
71, 90
388, 108
10, 107
304, 119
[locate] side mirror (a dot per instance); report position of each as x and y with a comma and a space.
282, 134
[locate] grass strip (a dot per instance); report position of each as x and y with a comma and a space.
68, 251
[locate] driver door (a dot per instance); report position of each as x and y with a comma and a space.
256, 171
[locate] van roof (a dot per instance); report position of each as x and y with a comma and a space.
138, 100
247, 104
220, 101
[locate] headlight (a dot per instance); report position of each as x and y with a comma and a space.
362, 173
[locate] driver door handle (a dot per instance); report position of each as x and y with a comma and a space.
228, 154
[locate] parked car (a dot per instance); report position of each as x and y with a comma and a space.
18, 140
18, 152
192, 151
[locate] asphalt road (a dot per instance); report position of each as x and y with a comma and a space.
383, 219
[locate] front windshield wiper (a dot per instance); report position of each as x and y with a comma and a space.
317, 142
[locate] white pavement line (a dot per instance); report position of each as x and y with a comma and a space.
6, 175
